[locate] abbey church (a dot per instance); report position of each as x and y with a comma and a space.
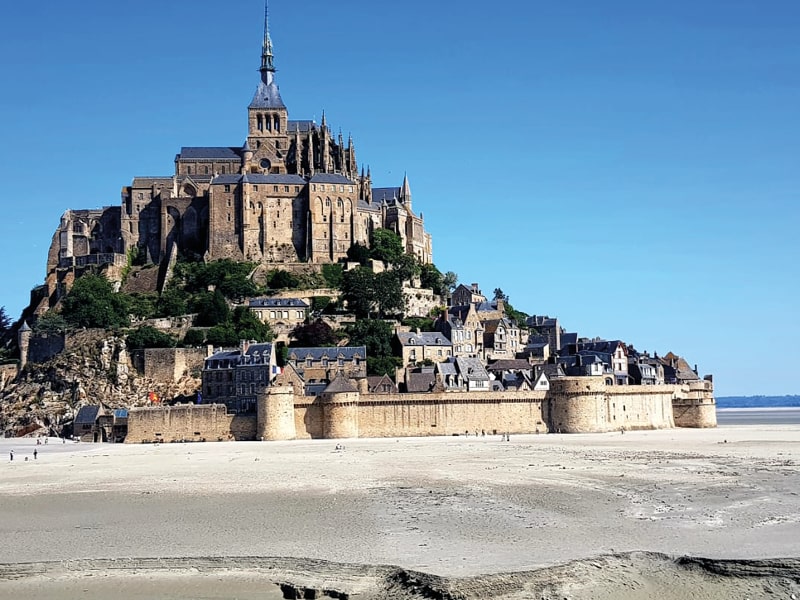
290, 192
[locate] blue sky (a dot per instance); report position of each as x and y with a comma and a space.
629, 167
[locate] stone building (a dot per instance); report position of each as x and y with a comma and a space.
235, 377
324, 364
422, 346
290, 191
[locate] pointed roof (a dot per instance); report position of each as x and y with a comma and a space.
405, 191
25, 326
267, 94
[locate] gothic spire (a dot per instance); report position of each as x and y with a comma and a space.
267, 64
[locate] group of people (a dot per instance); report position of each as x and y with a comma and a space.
35, 455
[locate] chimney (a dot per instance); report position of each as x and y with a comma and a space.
475, 289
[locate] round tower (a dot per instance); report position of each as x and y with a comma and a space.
340, 409
24, 342
276, 413
577, 405
694, 405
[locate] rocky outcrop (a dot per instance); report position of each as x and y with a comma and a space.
94, 367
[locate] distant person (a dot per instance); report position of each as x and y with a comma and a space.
11, 454
35, 453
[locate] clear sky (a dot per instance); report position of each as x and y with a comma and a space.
630, 167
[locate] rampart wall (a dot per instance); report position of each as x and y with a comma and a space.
187, 422
572, 405
695, 406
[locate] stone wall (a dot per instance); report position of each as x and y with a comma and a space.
573, 405
586, 404
188, 422
695, 406
44, 347
170, 364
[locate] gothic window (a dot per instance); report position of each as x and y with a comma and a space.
327, 202
339, 204
206, 168
269, 123
260, 123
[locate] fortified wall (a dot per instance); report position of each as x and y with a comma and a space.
572, 405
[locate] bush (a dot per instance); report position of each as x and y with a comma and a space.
92, 302
149, 337
333, 275
194, 337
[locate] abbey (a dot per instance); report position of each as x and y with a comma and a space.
290, 192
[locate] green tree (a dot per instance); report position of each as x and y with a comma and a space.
377, 336
172, 303
149, 337
450, 282
385, 245
314, 334
224, 336
421, 323
280, 279
499, 295
358, 253
431, 278
194, 337
388, 293
211, 309
358, 290
92, 302
51, 322
142, 306
248, 326
333, 275
320, 303
5, 320
406, 267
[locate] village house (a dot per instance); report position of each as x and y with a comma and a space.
282, 314
235, 377
547, 327
324, 363
422, 346
463, 295
464, 374
461, 325
501, 339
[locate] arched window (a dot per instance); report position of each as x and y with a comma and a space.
327, 202
269, 123
277, 123
260, 123
339, 204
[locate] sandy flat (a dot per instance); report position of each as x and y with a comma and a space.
449, 506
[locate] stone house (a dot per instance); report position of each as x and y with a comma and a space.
381, 384
465, 374
501, 339
282, 314
323, 364
87, 427
463, 295
614, 353
418, 347
549, 328
236, 377
461, 325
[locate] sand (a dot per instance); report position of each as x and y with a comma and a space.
491, 517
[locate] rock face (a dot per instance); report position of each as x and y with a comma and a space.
94, 367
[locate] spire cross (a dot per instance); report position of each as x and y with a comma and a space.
267, 64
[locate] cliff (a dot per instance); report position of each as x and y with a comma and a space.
94, 367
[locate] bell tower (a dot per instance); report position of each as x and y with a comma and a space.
268, 119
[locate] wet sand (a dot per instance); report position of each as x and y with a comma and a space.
456, 507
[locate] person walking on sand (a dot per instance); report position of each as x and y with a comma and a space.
11, 454
35, 453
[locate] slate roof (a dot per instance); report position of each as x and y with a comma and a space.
146, 182
486, 306
87, 415
301, 126
284, 178
568, 338
209, 152
551, 371
369, 206
330, 178
256, 355
420, 382
446, 368
340, 384
267, 96
472, 369
277, 302
315, 388
423, 338
375, 384
491, 325
387, 194
226, 179
512, 364
346, 352
608, 346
